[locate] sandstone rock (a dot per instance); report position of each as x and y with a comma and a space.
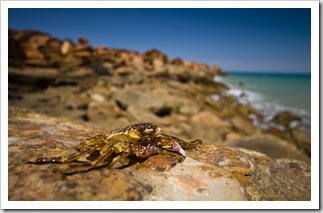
176, 61
209, 127
270, 145
83, 44
151, 99
208, 173
52, 52
32, 44
208, 118
34, 48
154, 59
244, 126
16, 54
67, 47
278, 132
27, 44
233, 136
216, 70
111, 88
302, 140
262, 177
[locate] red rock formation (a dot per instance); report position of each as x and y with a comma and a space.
33, 48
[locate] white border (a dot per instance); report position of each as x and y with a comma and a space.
159, 4
314, 204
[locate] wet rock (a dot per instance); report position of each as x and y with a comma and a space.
285, 118
207, 173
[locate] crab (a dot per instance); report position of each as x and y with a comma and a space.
140, 140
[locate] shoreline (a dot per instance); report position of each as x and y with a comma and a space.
265, 103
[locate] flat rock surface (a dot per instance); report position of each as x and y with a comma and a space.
209, 172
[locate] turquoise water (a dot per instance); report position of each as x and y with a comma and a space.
271, 93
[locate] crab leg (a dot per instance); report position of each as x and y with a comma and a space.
68, 159
105, 152
189, 145
118, 158
94, 164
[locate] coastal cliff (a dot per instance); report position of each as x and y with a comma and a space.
61, 93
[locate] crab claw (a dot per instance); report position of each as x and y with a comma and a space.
170, 143
179, 149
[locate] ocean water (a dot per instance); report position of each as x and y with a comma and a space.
271, 93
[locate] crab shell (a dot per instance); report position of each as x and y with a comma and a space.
146, 134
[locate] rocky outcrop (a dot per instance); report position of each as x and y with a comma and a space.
271, 146
209, 172
34, 48
61, 93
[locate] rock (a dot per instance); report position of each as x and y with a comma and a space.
278, 132
216, 70
52, 52
16, 54
285, 118
233, 136
262, 177
35, 48
270, 145
101, 113
176, 61
148, 99
97, 97
67, 47
154, 59
208, 173
83, 44
210, 119
110, 88
209, 127
302, 140
244, 126
208, 134
32, 42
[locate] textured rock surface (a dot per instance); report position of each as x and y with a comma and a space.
61, 93
271, 146
208, 173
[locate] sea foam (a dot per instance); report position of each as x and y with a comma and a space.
263, 104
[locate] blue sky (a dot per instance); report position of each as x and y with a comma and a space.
264, 40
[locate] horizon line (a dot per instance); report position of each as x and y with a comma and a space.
268, 72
